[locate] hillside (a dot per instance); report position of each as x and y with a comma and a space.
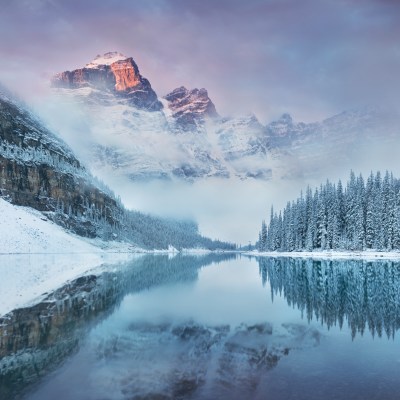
38, 170
37, 255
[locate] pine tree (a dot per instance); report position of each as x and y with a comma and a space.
369, 214
263, 237
362, 216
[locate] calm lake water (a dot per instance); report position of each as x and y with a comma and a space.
211, 327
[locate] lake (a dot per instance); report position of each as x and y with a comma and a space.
210, 327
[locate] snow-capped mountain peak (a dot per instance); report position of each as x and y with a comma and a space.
115, 75
106, 59
139, 136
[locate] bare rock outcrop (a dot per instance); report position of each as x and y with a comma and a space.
113, 72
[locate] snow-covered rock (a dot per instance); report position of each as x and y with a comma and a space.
37, 256
113, 73
336, 143
106, 59
182, 136
190, 107
39, 170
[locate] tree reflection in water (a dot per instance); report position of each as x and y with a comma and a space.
366, 294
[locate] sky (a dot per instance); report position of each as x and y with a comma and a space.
311, 58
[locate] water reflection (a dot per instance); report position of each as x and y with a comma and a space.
185, 360
34, 340
366, 294
204, 333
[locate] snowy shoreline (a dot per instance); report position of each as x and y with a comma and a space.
38, 256
332, 255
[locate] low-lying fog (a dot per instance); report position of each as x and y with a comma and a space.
226, 209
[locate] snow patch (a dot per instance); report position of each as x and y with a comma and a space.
343, 255
37, 256
106, 59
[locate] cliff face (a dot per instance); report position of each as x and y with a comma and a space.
190, 107
185, 140
126, 74
114, 73
85, 77
38, 170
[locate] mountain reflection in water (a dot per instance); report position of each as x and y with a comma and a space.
35, 340
166, 328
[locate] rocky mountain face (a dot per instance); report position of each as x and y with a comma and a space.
351, 139
190, 107
181, 136
37, 169
113, 73
184, 138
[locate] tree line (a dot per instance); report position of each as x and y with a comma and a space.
358, 216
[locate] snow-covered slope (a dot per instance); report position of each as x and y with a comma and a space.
352, 139
242, 142
37, 256
39, 170
25, 230
184, 137
106, 59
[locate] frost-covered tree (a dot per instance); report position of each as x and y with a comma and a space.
359, 216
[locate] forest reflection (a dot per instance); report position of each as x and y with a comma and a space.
365, 294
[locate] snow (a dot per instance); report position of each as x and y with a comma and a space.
24, 230
368, 255
38, 256
134, 141
106, 59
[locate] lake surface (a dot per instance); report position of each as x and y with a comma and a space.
211, 327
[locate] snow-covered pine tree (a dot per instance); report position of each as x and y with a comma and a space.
363, 216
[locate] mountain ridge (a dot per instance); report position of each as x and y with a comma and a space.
40, 171
198, 143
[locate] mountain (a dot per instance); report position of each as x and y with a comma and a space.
342, 142
39, 170
116, 74
182, 136
190, 107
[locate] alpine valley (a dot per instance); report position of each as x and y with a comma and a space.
38, 170
132, 132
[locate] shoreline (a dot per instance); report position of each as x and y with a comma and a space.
366, 255
28, 277
37, 256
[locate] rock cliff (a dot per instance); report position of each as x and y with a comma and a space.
190, 107
38, 170
114, 73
